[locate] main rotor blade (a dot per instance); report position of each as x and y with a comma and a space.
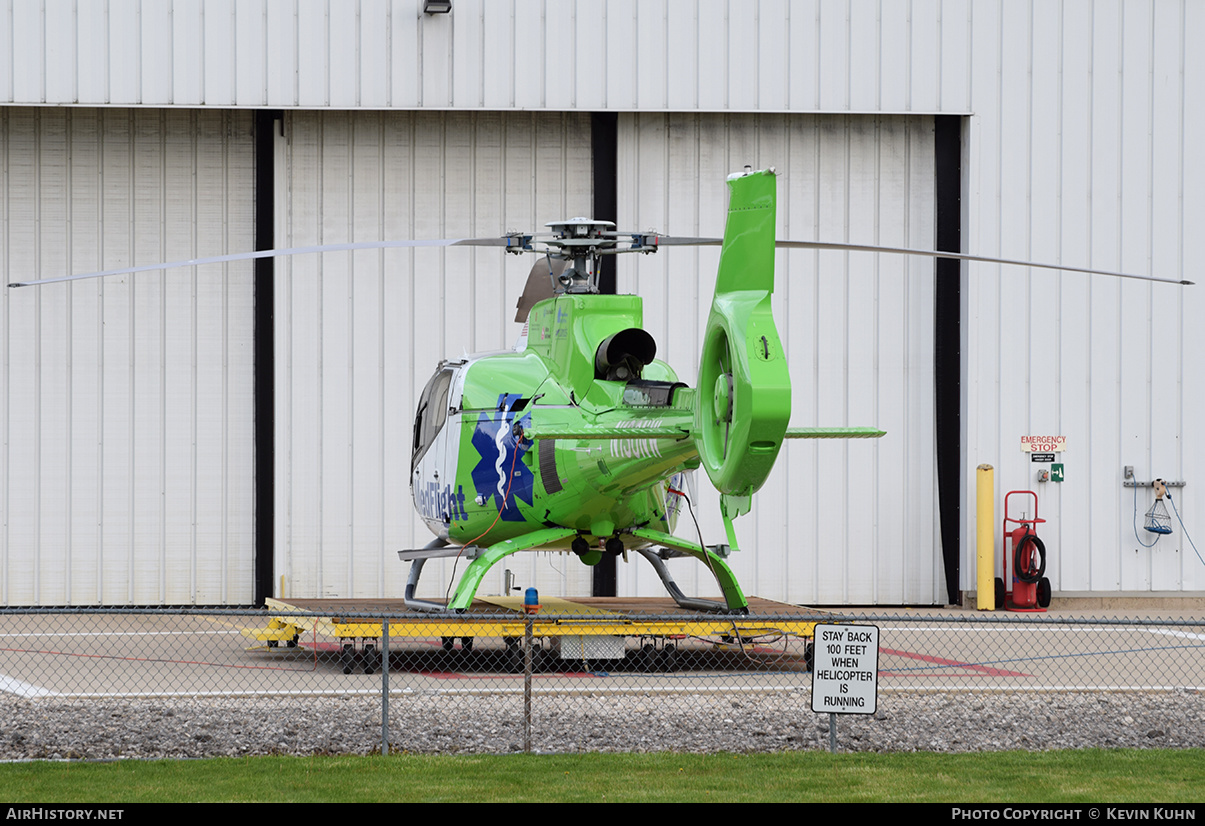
961, 256
673, 241
519, 241
682, 241
504, 241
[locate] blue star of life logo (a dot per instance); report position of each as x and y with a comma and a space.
494, 439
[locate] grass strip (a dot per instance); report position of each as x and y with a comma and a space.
1081, 776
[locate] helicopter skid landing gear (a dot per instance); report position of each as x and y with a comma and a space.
734, 598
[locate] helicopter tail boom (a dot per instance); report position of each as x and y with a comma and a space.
599, 432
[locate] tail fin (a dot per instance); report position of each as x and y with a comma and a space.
744, 387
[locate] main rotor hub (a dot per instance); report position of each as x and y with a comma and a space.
574, 254
583, 228
580, 242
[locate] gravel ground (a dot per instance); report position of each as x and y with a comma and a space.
434, 723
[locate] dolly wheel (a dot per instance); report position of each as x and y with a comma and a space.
1044, 593
646, 658
809, 656
347, 658
543, 660
1000, 593
513, 655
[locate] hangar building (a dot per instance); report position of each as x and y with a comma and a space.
225, 432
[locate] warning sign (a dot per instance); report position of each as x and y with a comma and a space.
845, 669
1043, 444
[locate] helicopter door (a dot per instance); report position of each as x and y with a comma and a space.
431, 476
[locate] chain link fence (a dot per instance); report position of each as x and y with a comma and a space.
97, 683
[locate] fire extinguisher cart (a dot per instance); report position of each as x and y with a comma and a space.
1024, 566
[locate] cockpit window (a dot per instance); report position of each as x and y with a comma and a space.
431, 415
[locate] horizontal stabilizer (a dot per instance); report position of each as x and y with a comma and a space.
834, 433
630, 431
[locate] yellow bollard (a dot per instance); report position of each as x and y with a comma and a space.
985, 521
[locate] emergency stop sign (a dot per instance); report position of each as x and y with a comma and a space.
1043, 444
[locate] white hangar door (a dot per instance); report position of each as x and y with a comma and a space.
360, 333
852, 522
127, 421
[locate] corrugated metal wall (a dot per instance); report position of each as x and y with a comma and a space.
127, 423
359, 334
1078, 146
588, 55
1083, 151
827, 526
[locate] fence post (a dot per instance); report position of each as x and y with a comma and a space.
527, 686
385, 687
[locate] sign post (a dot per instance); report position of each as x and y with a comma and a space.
845, 672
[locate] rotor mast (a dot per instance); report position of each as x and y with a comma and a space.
581, 242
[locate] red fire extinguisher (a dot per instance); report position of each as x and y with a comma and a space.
1031, 588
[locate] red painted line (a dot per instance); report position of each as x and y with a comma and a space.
982, 669
322, 646
453, 675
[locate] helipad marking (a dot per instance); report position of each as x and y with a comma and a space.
1184, 634
28, 634
986, 671
11, 685
641, 690
456, 675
